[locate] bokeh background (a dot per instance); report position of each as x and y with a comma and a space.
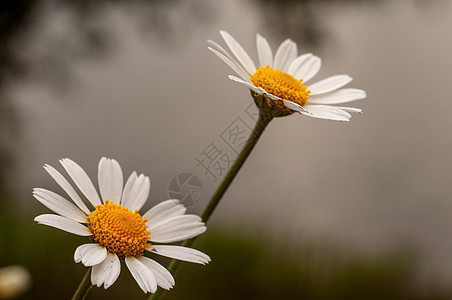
321, 210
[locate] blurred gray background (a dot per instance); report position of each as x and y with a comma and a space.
134, 81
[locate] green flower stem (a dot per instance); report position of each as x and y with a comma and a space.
259, 128
84, 287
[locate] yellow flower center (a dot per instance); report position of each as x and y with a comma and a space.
119, 229
281, 84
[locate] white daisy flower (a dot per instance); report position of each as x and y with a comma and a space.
118, 232
282, 79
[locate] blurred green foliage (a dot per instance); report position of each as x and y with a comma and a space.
245, 265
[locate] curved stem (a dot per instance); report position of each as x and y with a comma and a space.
84, 287
259, 128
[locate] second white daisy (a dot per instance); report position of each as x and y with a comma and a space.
283, 78
117, 230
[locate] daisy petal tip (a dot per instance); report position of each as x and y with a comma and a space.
108, 284
364, 94
64, 159
174, 202
207, 260
225, 35
361, 94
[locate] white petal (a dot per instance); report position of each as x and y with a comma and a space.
264, 51
90, 254
172, 221
239, 53
228, 59
106, 272
58, 204
308, 69
298, 62
329, 84
164, 211
293, 106
177, 229
64, 224
285, 54
339, 96
137, 193
162, 275
351, 109
181, 253
247, 84
110, 180
326, 112
271, 96
129, 186
67, 187
142, 274
82, 180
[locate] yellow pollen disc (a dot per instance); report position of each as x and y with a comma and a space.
119, 229
281, 84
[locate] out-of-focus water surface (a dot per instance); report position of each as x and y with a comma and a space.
135, 81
